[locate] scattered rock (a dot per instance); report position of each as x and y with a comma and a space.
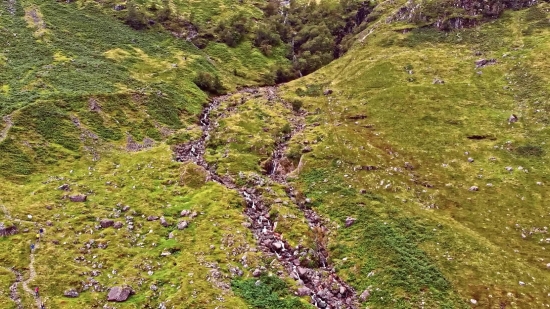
78, 198
474, 188
438, 81
350, 221
72, 293
165, 253
521, 283
409, 166
307, 149
509, 168
473, 301
484, 62
470, 159
153, 287
327, 92
119, 294
303, 291
548, 266
363, 191
125, 208
364, 296
182, 225
105, 223
152, 218
118, 225
64, 187
513, 118
185, 213
277, 245
171, 235
357, 117
256, 273
163, 222
119, 7
49, 223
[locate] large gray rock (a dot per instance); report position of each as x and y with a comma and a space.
71, 293
182, 225
105, 223
303, 291
364, 296
119, 293
163, 222
78, 198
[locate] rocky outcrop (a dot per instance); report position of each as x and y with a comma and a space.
119, 293
455, 14
7, 230
78, 198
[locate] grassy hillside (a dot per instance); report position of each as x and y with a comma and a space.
412, 140
423, 236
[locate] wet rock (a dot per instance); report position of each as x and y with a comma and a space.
119, 294
118, 225
64, 187
163, 222
303, 291
105, 223
364, 296
152, 218
78, 198
485, 62
350, 221
72, 293
256, 272
474, 188
182, 225
513, 118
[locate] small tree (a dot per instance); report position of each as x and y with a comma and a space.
209, 83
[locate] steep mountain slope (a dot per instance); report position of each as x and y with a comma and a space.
411, 172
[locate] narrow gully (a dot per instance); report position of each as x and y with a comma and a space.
322, 284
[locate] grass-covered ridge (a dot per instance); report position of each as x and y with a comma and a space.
465, 218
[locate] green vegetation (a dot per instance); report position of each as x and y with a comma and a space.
402, 132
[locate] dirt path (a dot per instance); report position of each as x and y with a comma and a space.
8, 124
32, 275
322, 284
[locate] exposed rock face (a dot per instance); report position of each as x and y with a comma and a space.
456, 14
78, 198
72, 293
7, 230
119, 294
105, 223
